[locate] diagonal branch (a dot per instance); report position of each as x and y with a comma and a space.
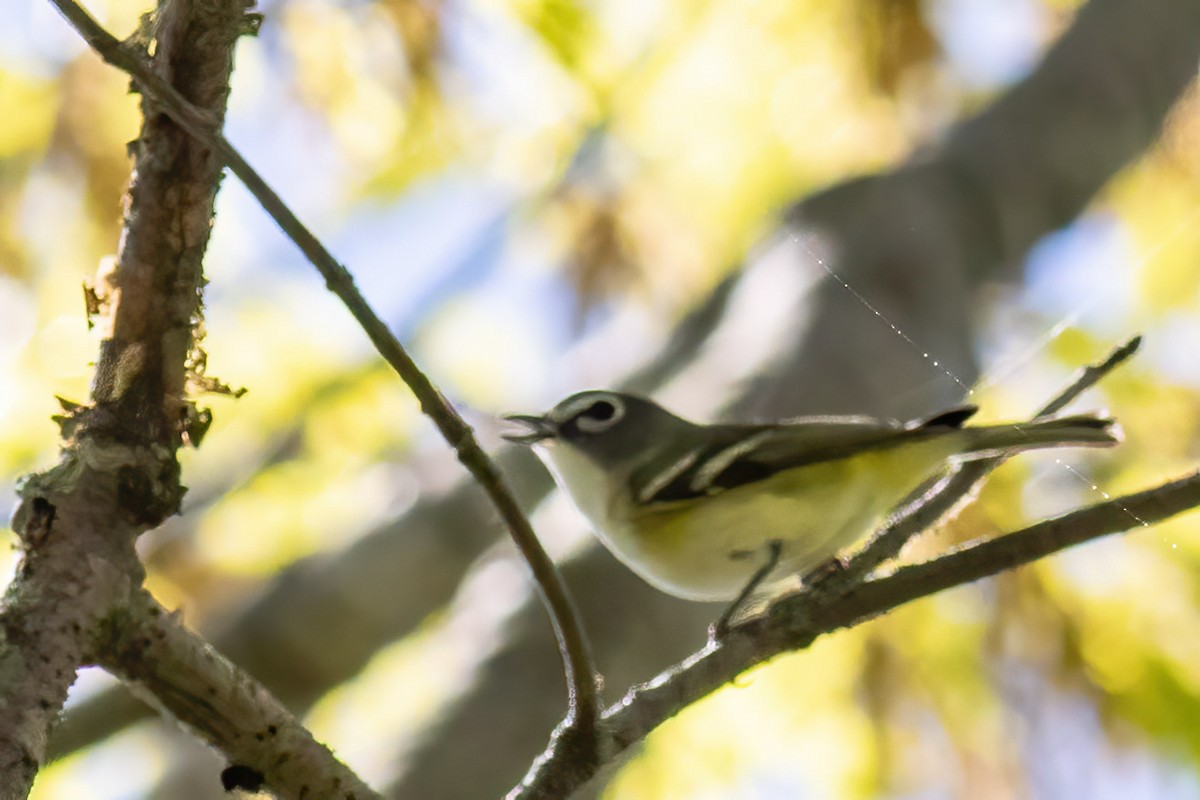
174, 669
795, 622
573, 646
956, 486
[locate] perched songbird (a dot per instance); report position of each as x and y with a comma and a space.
705, 512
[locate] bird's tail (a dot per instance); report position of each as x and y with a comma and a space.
1080, 430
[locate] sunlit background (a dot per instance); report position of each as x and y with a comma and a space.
505, 178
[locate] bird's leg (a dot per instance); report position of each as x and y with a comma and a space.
721, 627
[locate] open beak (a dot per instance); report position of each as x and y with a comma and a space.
537, 429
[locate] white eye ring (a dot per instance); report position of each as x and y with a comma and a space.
590, 424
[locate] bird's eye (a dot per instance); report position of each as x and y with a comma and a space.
597, 417
600, 411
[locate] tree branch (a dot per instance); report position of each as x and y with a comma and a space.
796, 621
173, 669
78, 561
956, 486
584, 706
118, 474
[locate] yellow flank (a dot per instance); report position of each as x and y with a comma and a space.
707, 549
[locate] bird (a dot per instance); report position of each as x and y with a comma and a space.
714, 512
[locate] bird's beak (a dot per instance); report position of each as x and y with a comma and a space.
537, 429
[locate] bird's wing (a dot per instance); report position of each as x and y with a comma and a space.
736, 455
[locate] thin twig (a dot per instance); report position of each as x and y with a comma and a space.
957, 485
578, 665
1090, 375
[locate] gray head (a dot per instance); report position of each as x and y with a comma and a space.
610, 428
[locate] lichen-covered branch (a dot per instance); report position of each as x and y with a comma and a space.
78, 560
173, 669
118, 475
